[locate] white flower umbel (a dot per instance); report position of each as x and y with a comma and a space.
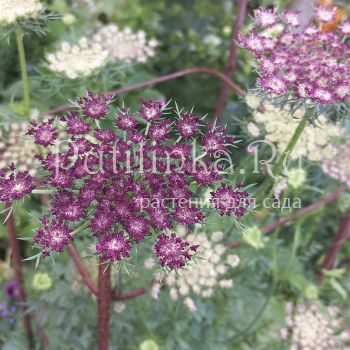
336, 162
203, 277
315, 327
13, 10
276, 125
79, 60
18, 148
124, 45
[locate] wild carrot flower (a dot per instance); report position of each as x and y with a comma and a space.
44, 133
336, 162
16, 185
17, 148
124, 45
77, 60
173, 252
15, 10
52, 236
127, 182
229, 200
275, 125
204, 277
314, 326
304, 65
113, 247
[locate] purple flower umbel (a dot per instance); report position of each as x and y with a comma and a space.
230, 201
152, 110
173, 251
309, 64
126, 121
45, 134
113, 247
94, 106
16, 185
188, 125
128, 182
54, 236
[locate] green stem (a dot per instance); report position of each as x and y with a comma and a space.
23, 65
266, 185
38, 191
80, 228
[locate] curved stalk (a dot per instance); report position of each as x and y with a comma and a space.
267, 184
161, 79
82, 269
269, 228
232, 59
23, 66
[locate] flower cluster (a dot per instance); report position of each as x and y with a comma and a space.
11, 290
41, 281
315, 327
173, 252
16, 148
230, 200
79, 60
15, 185
307, 64
277, 125
202, 278
131, 182
15, 10
125, 45
336, 162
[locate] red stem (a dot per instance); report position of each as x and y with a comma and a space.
161, 79
17, 265
232, 59
82, 269
269, 228
338, 242
131, 295
103, 300
84, 274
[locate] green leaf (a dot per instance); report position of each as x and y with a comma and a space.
335, 273
33, 257
338, 288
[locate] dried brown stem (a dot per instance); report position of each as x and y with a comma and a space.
103, 300
342, 235
17, 265
232, 59
269, 228
161, 79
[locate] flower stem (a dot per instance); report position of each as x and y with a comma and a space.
342, 235
40, 191
267, 184
23, 65
103, 300
232, 59
17, 266
80, 228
